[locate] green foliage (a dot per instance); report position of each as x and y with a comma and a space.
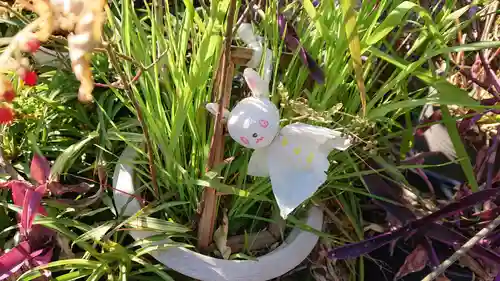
177, 49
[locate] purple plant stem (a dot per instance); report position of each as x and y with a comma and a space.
415, 159
479, 166
442, 178
431, 253
492, 77
421, 173
471, 13
467, 123
492, 153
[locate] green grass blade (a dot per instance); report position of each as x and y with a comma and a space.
462, 155
354, 47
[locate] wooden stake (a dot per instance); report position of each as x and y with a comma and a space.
225, 74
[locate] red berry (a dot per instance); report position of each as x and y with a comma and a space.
30, 78
6, 115
33, 45
8, 95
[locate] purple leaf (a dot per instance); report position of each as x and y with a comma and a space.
378, 186
44, 258
13, 260
31, 205
355, 250
455, 207
424, 226
18, 189
60, 189
480, 164
433, 258
468, 122
315, 71
288, 33
40, 169
81, 203
492, 153
452, 238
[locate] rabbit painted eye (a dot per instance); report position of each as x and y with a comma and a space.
263, 123
244, 140
255, 135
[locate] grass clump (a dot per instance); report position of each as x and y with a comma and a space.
155, 73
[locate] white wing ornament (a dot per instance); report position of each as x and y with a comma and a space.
257, 166
298, 162
294, 157
327, 139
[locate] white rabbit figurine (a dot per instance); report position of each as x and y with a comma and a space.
295, 156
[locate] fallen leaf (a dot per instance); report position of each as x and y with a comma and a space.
414, 262
375, 227
474, 266
220, 236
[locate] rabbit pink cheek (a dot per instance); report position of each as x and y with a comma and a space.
244, 140
259, 139
263, 123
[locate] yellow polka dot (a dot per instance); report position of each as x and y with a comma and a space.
310, 158
284, 142
297, 150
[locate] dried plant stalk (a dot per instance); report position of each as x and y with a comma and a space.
216, 155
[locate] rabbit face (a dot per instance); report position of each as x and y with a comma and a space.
254, 122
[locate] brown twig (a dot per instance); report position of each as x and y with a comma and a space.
225, 71
119, 84
495, 54
120, 55
242, 17
130, 94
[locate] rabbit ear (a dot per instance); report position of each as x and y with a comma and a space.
214, 108
256, 84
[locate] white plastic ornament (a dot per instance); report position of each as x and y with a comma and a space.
294, 157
